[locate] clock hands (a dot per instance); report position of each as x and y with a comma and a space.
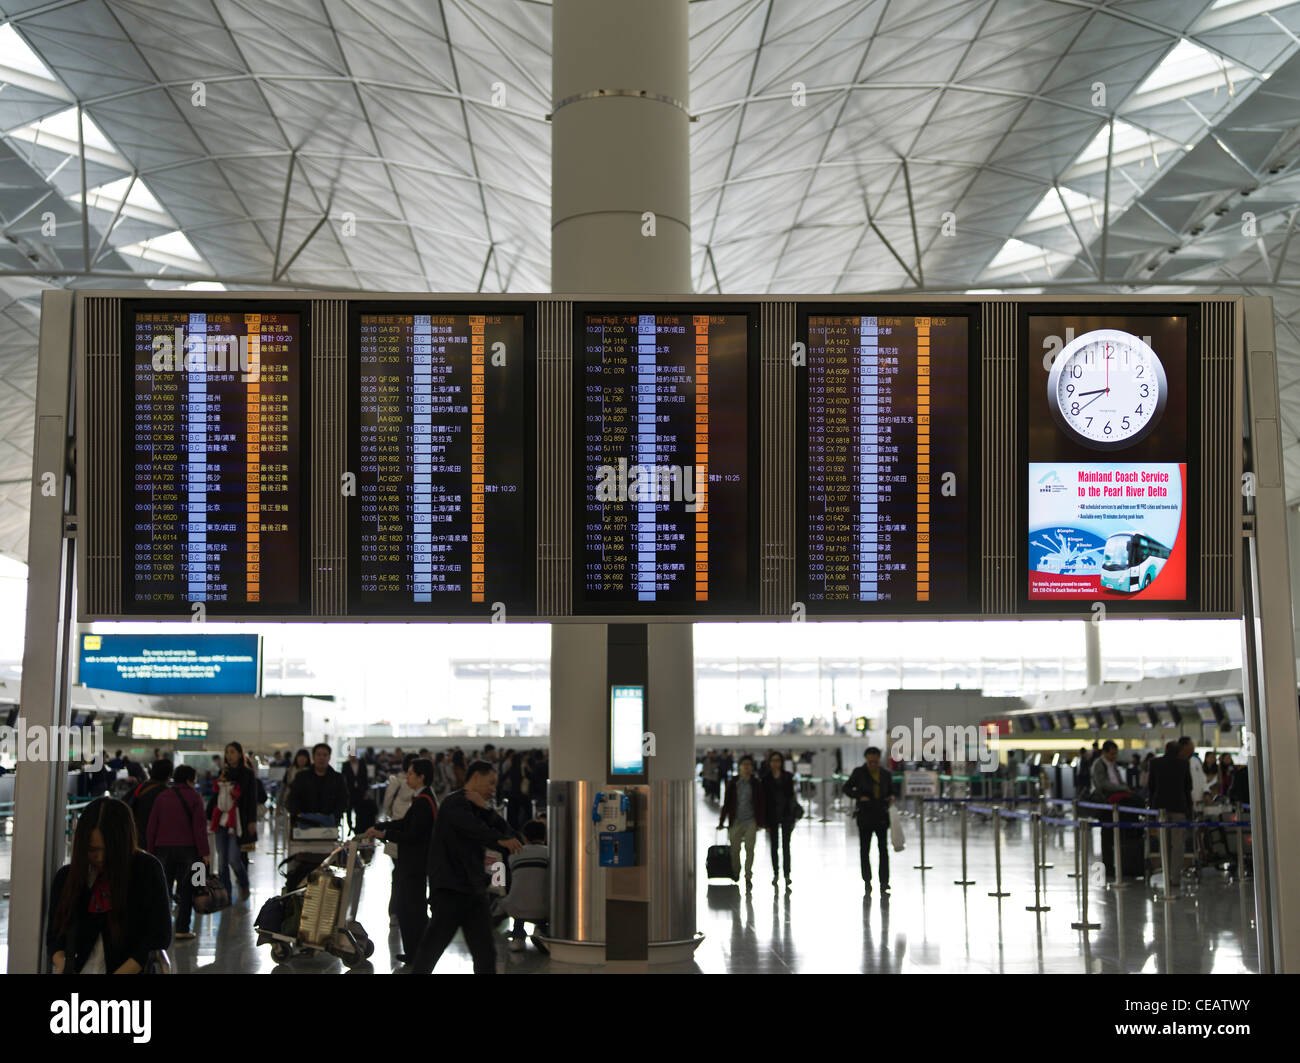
1099, 394
1098, 391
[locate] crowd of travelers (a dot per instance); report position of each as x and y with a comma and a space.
152, 841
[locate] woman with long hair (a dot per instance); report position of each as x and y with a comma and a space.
779, 807
232, 814
109, 907
301, 762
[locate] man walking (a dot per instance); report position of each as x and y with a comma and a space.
465, 828
743, 805
1171, 793
873, 792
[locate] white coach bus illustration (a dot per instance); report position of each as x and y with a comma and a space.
1131, 561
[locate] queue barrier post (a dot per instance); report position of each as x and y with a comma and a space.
1035, 830
920, 815
964, 880
1117, 850
1165, 895
1078, 867
1040, 849
997, 853
1082, 843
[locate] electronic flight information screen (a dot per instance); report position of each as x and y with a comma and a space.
214, 424
442, 445
666, 460
885, 442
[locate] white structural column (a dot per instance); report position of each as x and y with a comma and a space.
1268, 659
39, 801
1092, 648
620, 147
621, 225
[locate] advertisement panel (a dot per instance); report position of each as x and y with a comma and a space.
1109, 503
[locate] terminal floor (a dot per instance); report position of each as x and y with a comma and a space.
825, 924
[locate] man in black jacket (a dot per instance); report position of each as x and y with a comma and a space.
872, 789
465, 828
144, 795
1170, 788
321, 790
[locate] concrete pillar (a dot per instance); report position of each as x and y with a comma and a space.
620, 224
1092, 647
620, 148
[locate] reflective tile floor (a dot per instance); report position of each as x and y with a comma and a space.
825, 924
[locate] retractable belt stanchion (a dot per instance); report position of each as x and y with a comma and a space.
963, 881
1040, 850
1078, 866
997, 853
1035, 829
1118, 849
1083, 835
1165, 895
920, 815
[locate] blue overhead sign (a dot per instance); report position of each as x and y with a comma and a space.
172, 664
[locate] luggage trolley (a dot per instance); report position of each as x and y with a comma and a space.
306, 843
321, 916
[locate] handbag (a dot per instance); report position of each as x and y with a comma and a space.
796, 810
211, 898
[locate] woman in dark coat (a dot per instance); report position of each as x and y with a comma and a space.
109, 907
779, 811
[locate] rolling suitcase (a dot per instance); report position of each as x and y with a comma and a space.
717, 863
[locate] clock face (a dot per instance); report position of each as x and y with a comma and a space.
1107, 389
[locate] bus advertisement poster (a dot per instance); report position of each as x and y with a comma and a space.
1107, 530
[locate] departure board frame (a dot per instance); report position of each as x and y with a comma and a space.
1119, 307
233, 303
526, 607
750, 606
867, 307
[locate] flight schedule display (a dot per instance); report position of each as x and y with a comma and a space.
214, 481
886, 440
442, 522
666, 461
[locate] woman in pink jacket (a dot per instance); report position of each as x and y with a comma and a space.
178, 836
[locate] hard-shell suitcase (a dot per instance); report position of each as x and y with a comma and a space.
717, 863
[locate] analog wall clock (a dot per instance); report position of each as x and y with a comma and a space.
1107, 389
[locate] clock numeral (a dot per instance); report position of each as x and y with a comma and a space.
1140, 369
1089, 422
1069, 389
1107, 428
1124, 424
1145, 391
1074, 409
1076, 371
1138, 411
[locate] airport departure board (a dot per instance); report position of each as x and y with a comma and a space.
214, 481
886, 440
666, 461
442, 522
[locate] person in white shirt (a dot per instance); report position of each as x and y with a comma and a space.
397, 799
1199, 782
